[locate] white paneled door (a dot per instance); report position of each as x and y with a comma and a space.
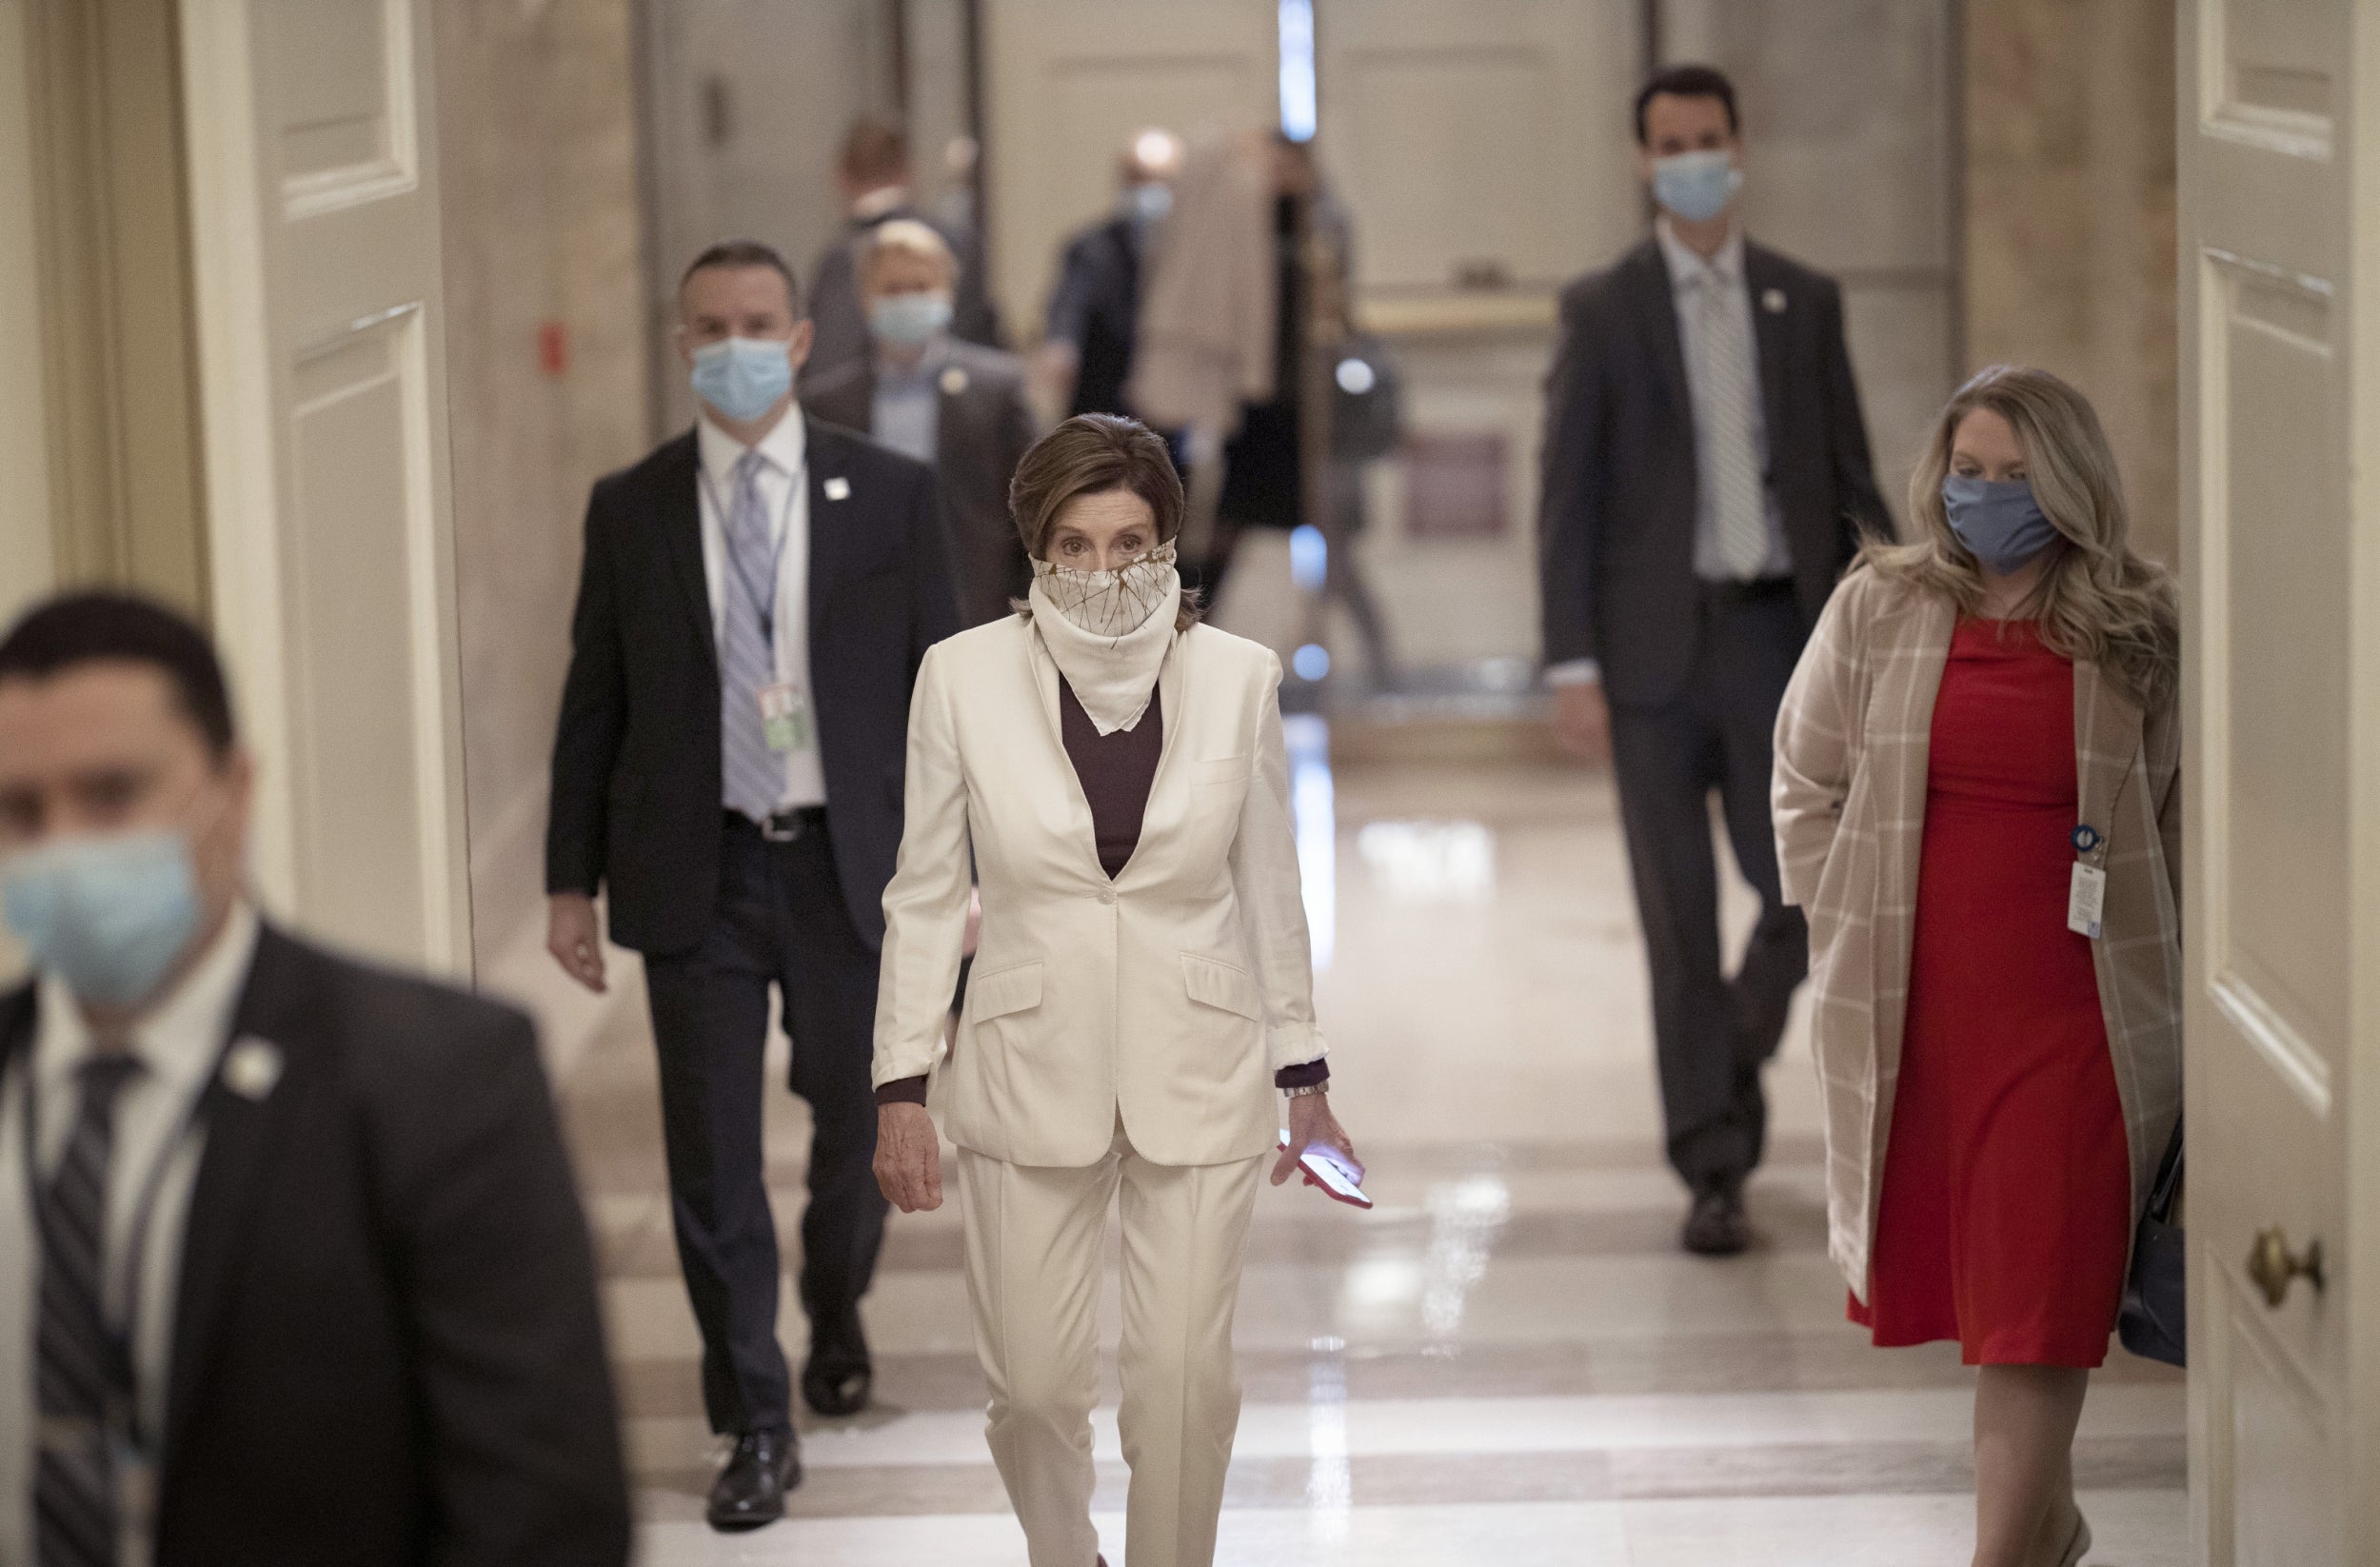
315, 230
1070, 80
2280, 402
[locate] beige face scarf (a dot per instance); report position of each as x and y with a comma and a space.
1108, 631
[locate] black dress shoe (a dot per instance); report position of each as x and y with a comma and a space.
751, 1490
839, 1376
1715, 1226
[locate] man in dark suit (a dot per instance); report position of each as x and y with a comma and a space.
291, 1265
1706, 481
958, 406
755, 600
1095, 313
873, 174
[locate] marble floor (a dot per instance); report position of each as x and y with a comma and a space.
1508, 1361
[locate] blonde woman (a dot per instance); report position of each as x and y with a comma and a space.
1115, 773
1978, 803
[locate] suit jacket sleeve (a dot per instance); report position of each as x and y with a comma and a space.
1570, 514
933, 590
492, 1260
594, 711
1272, 902
925, 903
1861, 509
1824, 707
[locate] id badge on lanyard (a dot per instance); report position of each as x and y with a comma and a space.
2086, 894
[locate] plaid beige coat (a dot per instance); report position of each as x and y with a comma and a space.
1852, 744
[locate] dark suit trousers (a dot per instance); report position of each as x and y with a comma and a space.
1713, 1035
781, 920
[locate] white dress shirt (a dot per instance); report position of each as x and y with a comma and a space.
785, 496
178, 1043
1689, 275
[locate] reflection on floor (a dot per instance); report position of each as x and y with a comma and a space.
1507, 1363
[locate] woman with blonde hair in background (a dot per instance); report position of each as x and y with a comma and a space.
1115, 774
1978, 804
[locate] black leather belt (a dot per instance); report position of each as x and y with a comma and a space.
784, 826
1757, 590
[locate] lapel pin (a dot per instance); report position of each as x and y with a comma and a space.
1773, 301
838, 489
252, 1068
954, 381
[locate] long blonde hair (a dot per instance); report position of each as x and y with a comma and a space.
2097, 602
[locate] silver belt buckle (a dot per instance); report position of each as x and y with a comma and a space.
782, 826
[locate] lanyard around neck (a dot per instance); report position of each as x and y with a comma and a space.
761, 595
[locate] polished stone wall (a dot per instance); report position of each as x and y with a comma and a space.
537, 149
2070, 219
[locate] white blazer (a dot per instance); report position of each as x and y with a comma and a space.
1168, 996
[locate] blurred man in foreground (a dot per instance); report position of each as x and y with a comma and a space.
291, 1266
958, 406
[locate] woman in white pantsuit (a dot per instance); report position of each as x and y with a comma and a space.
1114, 774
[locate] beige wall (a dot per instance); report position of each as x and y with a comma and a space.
537, 148
2069, 218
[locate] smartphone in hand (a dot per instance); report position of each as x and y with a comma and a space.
1328, 1171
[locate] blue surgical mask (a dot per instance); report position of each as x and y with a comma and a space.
742, 377
106, 914
1150, 202
1695, 186
908, 320
2000, 524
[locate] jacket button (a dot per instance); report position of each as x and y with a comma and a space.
1108, 895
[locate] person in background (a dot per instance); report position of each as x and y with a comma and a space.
1706, 481
292, 1265
755, 599
873, 174
958, 406
1114, 772
1085, 356
1978, 802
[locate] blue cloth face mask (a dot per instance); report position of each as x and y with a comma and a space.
106, 914
742, 377
1695, 186
2000, 524
908, 320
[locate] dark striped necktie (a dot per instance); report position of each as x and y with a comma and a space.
75, 1487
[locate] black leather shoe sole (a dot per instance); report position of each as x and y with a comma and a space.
1717, 1226
838, 1390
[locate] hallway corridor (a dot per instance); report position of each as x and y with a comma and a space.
1508, 1363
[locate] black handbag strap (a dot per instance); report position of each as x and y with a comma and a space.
2169, 1182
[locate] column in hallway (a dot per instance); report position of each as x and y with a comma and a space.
2070, 219
547, 357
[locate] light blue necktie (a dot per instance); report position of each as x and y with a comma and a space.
754, 776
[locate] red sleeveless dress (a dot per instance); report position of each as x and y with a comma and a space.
2007, 1203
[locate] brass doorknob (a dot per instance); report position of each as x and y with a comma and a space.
2272, 1265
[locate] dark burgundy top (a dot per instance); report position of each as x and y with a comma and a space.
1117, 772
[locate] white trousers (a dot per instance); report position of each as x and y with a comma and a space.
1032, 1275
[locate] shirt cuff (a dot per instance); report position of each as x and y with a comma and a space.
903, 1091
1573, 672
1304, 1075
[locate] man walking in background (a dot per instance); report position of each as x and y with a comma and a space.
755, 600
955, 405
1095, 311
291, 1265
873, 174
1706, 481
